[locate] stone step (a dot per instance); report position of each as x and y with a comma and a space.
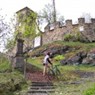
37, 93
42, 91
41, 88
42, 84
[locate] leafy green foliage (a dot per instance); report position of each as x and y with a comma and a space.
77, 46
11, 83
76, 36
10, 44
68, 37
49, 14
36, 62
4, 64
59, 57
5, 30
90, 91
28, 25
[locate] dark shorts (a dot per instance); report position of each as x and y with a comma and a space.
44, 64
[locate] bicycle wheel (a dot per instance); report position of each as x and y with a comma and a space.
58, 72
51, 74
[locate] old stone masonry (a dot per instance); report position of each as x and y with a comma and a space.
56, 31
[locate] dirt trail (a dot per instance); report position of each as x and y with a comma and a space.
37, 76
41, 85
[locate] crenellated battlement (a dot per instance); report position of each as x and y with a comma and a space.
93, 20
81, 21
56, 31
68, 22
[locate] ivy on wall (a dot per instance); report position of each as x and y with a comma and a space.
27, 24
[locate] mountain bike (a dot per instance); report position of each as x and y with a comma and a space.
54, 72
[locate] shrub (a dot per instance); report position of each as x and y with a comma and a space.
76, 36
4, 64
59, 57
11, 82
68, 37
90, 91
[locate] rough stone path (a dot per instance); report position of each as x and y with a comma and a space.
40, 85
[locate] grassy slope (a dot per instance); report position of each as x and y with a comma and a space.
65, 86
68, 76
7, 86
65, 83
77, 45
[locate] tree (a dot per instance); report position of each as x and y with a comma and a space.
49, 14
5, 32
25, 27
54, 11
87, 17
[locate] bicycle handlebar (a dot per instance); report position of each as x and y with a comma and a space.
56, 65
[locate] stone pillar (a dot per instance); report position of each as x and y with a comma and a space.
19, 47
19, 59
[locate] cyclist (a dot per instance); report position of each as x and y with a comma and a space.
47, 62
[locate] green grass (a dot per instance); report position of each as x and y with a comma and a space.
4, 64
64, 83
72, 89
77, 47
11, 82
83, 46
90, 90
68, 76
36, 61
77, 67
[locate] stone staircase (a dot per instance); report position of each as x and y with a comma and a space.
41, 88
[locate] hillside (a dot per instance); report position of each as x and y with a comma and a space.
12, 82
72, 51
61, 44
75, 79
74, 76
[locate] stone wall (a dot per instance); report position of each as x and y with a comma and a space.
56, 31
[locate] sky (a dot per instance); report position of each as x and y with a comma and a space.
70, 9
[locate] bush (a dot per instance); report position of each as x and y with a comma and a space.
68, 37
90, 91
59, 57
4, 64
76, 36
11, 82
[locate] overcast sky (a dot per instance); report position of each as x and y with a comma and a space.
70, 9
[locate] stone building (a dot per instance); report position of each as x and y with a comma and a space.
56, 31
22, 16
